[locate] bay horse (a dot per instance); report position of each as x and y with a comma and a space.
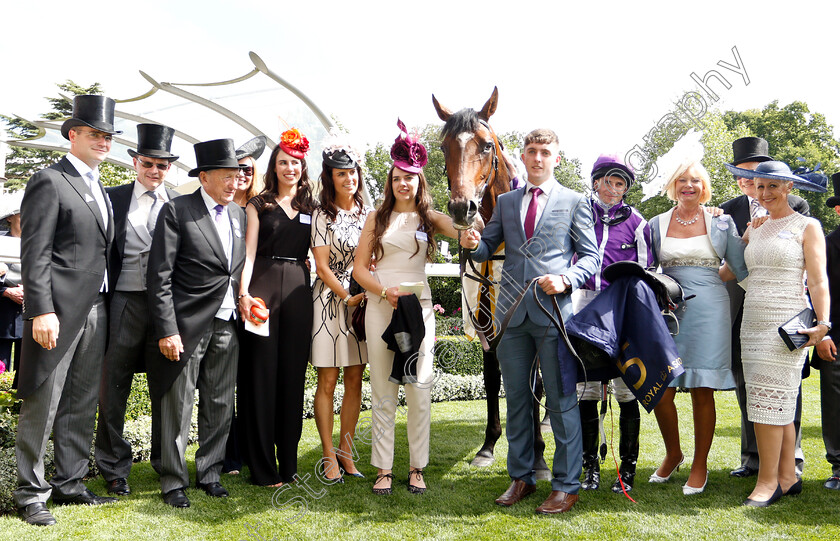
479, 171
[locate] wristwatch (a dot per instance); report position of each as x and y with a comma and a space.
826, 323
346, 300
384, 293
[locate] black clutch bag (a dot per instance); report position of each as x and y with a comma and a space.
354, 288
788, 331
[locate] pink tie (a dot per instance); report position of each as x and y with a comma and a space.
531, 214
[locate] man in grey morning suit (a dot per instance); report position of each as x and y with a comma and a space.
67, 230
747, 153
194, 268
131, 334
543, 226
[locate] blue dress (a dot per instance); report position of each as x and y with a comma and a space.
704, 339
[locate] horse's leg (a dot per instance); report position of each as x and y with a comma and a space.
540, 467
492, 384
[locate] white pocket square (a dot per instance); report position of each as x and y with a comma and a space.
88, 198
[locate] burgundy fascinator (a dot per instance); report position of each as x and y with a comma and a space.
294, 143
408, 152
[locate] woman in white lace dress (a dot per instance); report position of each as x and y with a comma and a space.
779, 252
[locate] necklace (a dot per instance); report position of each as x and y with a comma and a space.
686, 222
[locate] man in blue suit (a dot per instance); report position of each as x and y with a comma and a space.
544, 226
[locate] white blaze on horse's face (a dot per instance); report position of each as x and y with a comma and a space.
540, 160
404, 184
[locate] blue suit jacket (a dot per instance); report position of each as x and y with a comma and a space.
565, 228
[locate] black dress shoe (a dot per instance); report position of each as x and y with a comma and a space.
36, 514
777, 495
177, 498
795, 488
84, 498
214, 489
119, 486
832, 483
743, 471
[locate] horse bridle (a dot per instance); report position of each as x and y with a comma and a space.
494, 169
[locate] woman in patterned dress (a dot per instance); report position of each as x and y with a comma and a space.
778, 253
336, 227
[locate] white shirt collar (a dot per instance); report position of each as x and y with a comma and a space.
209, 201
140, 191
546, 186
82, 167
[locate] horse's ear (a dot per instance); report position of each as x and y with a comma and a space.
443, 112
490, 107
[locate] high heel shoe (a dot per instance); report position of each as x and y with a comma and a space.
690, 491
343, 468
657, 479
794, 489
767, 503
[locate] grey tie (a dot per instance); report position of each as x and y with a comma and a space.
153, 212
755, 209
96, 191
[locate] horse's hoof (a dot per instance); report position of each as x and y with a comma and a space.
543, 475
482, 461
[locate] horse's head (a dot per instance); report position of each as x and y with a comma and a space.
473, 155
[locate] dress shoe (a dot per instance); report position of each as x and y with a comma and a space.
214, 489
657, 479
384, 491
832, 483
795, 488
36, 514
690, 491
177, 498
84, 498
743, 471
344, 469
558, 502
415, 489
777, 495
119, 486
517, 490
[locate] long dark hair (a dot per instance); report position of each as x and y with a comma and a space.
303, 201
423, 202
328, 191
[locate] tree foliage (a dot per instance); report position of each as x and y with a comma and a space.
22, 163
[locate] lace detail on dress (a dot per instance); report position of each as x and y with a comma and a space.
691, 262
776, 261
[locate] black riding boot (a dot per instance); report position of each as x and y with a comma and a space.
590, 433
628, 446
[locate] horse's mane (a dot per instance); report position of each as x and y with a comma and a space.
465, 120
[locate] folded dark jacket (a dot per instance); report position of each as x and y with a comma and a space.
403, 336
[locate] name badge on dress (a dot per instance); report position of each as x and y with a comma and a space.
421, 235
305, 218
236, 228
785, 234
723, 226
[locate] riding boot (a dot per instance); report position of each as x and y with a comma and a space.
590, 435
628, 446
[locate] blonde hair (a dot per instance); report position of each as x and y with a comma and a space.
670, 189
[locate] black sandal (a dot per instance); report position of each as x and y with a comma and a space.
414, 489
383, 491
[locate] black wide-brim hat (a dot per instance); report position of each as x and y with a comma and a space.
750, 149
834, 200
215, 154
775, 170
95, 112
154, 141
253, 148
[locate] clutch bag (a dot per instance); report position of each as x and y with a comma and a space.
788, 330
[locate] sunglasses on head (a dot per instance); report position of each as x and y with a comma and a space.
149, 165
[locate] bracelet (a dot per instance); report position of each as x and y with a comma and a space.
346, 300
243, 295
384, 293
826, 323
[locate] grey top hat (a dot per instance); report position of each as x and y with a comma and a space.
215, 154
154, 141
95, 112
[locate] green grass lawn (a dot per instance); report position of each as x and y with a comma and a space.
459, 503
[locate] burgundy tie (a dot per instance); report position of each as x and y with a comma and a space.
531, 214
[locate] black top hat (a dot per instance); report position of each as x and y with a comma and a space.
750, 149
834, 200
96, 112
253, 148
216, 154
154, 141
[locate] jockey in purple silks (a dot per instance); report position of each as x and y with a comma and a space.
622, 235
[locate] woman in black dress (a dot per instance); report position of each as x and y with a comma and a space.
274, 367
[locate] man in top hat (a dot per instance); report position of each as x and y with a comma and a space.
747, 153
131, 339
826, 360
67, 230
194, 268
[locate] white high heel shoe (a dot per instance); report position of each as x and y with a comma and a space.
690, 491
657, 479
